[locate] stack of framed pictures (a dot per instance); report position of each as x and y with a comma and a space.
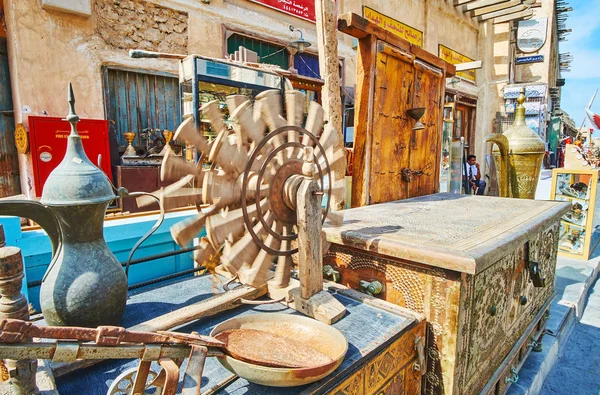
578, 236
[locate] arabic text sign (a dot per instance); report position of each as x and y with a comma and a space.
304, 9
454, 57
529, 59
406, 32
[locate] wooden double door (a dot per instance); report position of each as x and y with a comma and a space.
393, 157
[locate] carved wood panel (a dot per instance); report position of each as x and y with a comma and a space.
425, 143
482, 362
430, 291
390, 372
491, 291
355, 385
466, 343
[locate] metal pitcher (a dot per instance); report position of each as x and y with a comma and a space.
518, 154
85, 284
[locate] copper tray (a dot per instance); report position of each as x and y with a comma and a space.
322, 337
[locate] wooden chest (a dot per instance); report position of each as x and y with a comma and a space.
481, 270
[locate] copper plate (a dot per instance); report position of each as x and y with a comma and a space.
324, 338
270, 349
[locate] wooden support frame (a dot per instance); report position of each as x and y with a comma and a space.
385, 161
503, 12
493, 8
517, 15
481, 3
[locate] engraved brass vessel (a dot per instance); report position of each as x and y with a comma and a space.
518, 154
85, 284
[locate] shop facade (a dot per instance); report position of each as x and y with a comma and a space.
51, 43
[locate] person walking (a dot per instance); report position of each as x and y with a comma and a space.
474, 175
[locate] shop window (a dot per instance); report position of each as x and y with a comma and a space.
267, 52
307, 65
138, 102
217, 69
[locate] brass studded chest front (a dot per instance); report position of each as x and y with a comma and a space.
481, 270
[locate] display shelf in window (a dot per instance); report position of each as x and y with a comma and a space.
578, 235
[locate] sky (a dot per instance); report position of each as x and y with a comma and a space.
584, 44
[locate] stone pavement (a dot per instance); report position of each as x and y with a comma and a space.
577, 369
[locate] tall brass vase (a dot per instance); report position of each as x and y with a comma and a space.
518, 154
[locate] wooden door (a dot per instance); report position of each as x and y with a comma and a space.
391, 160
426, 151
390, 145
404, 162
465, 125
135, 101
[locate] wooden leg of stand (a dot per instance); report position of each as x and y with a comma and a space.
310, 298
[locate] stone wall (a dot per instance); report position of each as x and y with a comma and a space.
128, 24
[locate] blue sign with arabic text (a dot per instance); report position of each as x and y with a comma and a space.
529, 59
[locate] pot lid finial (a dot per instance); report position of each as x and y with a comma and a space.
76, 180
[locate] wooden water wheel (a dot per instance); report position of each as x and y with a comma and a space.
248, 195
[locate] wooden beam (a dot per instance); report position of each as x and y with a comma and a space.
469, 65
496, 7
480, 4
497, 14
518, 15
326, 11
461, 2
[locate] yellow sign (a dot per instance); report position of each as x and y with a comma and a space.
406, 32
454, 57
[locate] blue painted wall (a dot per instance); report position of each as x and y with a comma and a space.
120, 235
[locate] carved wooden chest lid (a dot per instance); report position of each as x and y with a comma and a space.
465, 233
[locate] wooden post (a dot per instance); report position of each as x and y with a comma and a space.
13, 304
326, 14
309, 297
310, 258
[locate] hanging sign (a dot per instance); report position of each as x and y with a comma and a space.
531, 34
304, 9
454, 57
400, 29
529, 59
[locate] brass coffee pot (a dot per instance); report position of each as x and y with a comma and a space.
85, 284
518, 154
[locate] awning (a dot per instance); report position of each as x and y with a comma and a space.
499, 11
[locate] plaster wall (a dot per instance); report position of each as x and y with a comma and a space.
543, 72
439, 20
49, 48
494, 49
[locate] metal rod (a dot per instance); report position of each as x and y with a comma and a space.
37, 283
162, 255
168, 277
222, 384
138, 53
91, 351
